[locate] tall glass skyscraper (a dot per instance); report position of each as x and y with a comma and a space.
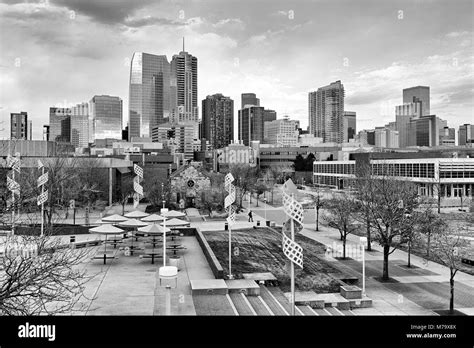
184, 70
218, 120
105, 117
149, 93
19, 126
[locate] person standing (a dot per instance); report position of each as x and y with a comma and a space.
250, 216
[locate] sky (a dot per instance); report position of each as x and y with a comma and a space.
63, 52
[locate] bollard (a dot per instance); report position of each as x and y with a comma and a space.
268, 223
258, 222
72, 239
226, 226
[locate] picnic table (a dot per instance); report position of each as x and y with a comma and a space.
114, 242
175, 247
105, 255
152, 253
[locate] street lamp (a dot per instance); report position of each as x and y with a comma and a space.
163, 194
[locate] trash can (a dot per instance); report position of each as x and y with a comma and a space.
268, 223
174, 261
226, 226
258, 222
72, 239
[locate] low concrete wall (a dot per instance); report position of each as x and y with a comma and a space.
210, 256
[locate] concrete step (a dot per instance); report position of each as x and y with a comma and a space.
259, 306
272, 303
333, 311
241, 304
321, 311
246, 286
306, 310
280, 297
347, 312
212, 305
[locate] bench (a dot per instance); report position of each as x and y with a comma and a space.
105, 255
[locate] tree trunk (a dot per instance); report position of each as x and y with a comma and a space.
386, 250
428, 245
451, 300
369, 242
409, 253
317, 218
439, 201
344, 247
257, 199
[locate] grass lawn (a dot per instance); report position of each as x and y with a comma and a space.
259, 250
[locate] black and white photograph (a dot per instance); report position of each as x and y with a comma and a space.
203, 172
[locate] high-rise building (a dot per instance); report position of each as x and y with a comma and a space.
282, 132
466, 134
150, 93
424, 131
30, 130
269, 115
60, 124
79, 122
218, 120
184, 70
250, 123
178, 137
349, 125
447, 136
403, 115
19, 126
386, 137
418, 94
105, 117
249, 99
326, 112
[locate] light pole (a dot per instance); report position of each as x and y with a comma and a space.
163, 194
363, 242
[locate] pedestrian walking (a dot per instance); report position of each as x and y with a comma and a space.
250, 216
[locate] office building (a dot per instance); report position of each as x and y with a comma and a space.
418, 94
385, 137
349, 125
177, 137
403, 115
105, 117
249, 99
60, 124
149, 93
281, 132
19, 126
79, 123
326, 112
184, 72
251, 124
466, 134
447, 136
269, 115
218, 120
424, 131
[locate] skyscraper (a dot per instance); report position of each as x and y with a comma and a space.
349, 125
269, 115
60, 124
184, 72
19, 126
418, 94
79, 122
105, 117
218, 120
281, 132
326, 112
250, 123
403, 115
466, 134
149, 93
249, 99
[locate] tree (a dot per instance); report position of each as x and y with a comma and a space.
245, 178
317, 202
341, 210
430, 224
126, 191
309, 162
260, 188
41, 277
299, 163
389, 204
213, 199
449, 248
275, 174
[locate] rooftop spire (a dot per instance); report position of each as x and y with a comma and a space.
183, 45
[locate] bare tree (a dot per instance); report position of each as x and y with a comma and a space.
430, 224
448, 249
41, 276
389, 204
245, 178
341, 210
126, 191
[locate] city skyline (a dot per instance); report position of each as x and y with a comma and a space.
278, 57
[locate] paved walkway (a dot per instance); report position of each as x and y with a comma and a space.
418, 290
